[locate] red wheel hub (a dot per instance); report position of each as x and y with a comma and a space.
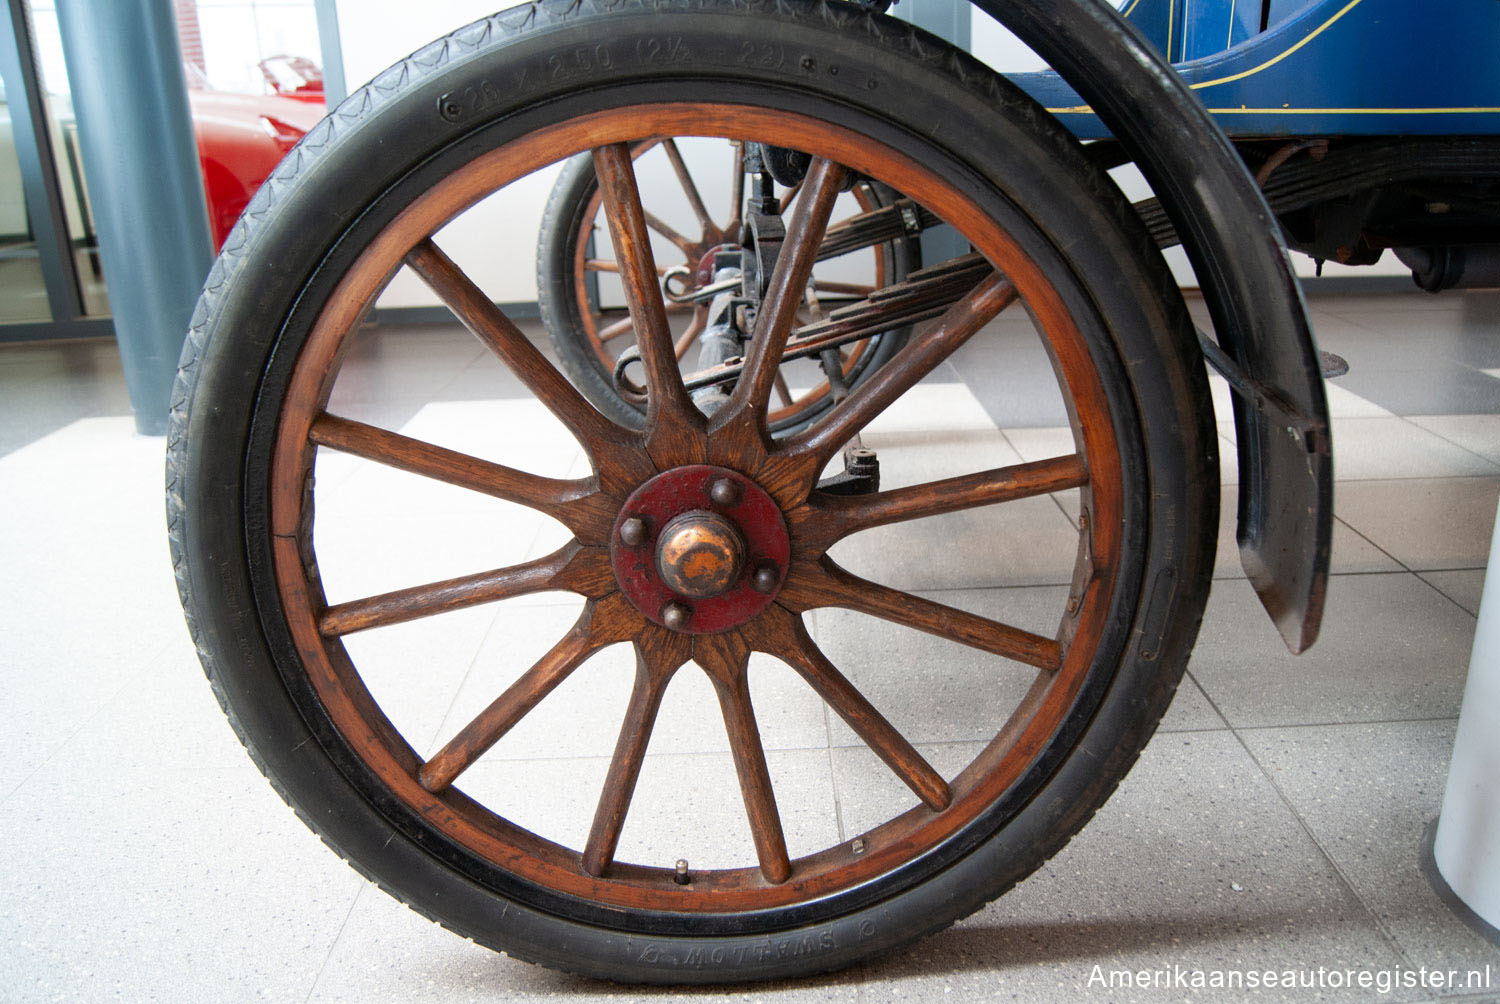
708, 264
700, 549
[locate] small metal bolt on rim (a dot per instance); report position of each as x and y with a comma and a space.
633, 531
676, 615
724, 492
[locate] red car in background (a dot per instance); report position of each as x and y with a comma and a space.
241, 138
294, 77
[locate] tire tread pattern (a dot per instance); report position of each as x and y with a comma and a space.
898, 36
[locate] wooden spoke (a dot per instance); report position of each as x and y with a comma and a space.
830, 518
725, 657
783, 392
576, 504
602, 623
480, 315
684, 244
572, 568
785, 636
615, 329
788, 285
844, 288
605, 265
825, 584
690, 334
790, 194
921, 356
736, 188
689, 189
667, 399
658, 654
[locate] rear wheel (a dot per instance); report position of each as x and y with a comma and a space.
694, 543
698, 202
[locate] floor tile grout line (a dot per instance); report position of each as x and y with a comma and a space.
1238, 577
1169, 731
1211, 703
334, 944
1308, 830
1348, 724
833, 777
1350, 527
460, 371
1434, 587
1445, 594
1385, 933
1051, 495
1433, 432
1362, 536
1447, 476
468, 671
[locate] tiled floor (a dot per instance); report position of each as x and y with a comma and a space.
1274, 822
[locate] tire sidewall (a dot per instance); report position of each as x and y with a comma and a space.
251, 323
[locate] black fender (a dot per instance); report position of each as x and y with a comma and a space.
1235, 246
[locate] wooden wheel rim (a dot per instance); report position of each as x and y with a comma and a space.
515, 851
785, 415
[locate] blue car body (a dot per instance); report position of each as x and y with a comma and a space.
1297, 68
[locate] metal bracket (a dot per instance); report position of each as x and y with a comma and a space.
1263, 398
861, 473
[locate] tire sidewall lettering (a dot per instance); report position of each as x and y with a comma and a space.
580, 60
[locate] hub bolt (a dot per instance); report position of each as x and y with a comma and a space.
676, 615
633, 532
724, 492
765, 579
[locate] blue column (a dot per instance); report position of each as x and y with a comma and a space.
335, 89
141, 163
949, 20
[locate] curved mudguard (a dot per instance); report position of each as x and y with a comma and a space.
1234, 244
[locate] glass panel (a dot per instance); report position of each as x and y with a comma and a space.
57, 99
23, 295
255, 88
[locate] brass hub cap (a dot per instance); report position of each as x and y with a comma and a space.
700, 554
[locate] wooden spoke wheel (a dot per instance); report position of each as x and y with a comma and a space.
701, 543
578, 271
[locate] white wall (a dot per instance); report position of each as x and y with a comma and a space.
238, 34
496, 241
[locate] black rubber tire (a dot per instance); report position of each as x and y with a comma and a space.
561, 219
443, 105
